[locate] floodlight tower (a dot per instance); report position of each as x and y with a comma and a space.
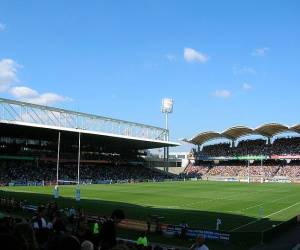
167, 108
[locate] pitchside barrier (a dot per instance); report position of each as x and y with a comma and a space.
176, 231
257, 179
83, 182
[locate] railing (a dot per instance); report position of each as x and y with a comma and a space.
16, 111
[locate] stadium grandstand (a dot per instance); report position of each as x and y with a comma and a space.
271, 153
40, 144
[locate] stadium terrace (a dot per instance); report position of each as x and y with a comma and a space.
41, 145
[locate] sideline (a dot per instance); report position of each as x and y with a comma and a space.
252, 222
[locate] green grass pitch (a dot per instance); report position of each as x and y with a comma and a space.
241, 206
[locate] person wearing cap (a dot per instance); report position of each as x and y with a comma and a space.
199, 244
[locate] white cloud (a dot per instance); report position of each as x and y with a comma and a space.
8, 77
260, 51
30, 95
8, 73
246, 86
238, 70
222, 93
23, 92
2, 27
191, 55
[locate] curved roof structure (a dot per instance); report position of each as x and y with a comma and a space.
235, 132
296, 128
271, 129
204, 137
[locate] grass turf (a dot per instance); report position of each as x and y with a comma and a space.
198, 203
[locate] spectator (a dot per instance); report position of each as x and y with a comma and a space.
142, 240
108, 231
199, 244
184, 227
9, 242
69, 242
25, 236
40, 225
87, 245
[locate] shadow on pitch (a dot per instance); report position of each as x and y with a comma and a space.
199, 219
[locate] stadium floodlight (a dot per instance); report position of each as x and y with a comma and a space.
167, 108
167, 105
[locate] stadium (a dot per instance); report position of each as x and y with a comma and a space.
44, 149
149, 125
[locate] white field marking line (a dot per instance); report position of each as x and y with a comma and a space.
223, 198
189, 204
210, 200
251, 222
97, 198
93, 198
155, 205
282, 198
20, 191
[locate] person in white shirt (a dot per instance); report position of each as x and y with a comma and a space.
39, 221
199, 244
219, 222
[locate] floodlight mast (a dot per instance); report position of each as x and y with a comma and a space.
167, 108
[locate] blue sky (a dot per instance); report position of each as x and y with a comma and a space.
223, 62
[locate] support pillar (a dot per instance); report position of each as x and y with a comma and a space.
57, 159
78, 160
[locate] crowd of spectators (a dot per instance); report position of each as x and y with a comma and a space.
266, 171
252, 147
287, 146
292, 171
52, 228
221, 149
192, 171
225, 170
47, 150
49, 227
281, 146
24, 171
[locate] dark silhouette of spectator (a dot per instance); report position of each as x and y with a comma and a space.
9, 242
25, 236
108, 230
40, 225
69, 242
199, 244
